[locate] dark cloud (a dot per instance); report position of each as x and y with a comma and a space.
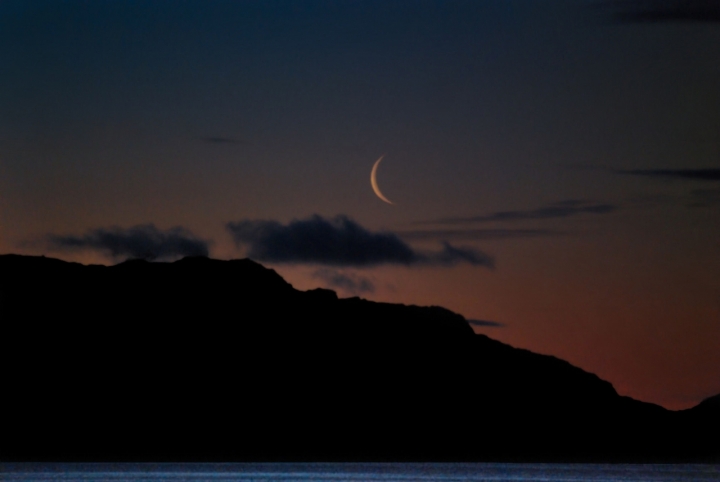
340, 242
561, 209
349, 282
220, 140
690, 174
646, 11
493, 324
476, 234
145, 241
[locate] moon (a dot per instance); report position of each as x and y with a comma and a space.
373, 181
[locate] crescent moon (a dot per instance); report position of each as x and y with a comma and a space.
373, 181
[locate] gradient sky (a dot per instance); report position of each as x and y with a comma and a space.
555, 166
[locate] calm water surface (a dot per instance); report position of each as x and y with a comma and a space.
354, 472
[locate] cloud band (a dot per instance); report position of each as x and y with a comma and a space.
143, 241
340, 241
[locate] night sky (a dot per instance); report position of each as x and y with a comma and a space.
554, 165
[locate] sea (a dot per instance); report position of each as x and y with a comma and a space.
371, 472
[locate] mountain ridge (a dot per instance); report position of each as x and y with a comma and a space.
144, 359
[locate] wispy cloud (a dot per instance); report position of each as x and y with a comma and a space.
485, 323
341, 241
451, 255
560, 209
704, 198
645, 11
349, 282
143, 241
688, 174
476, 234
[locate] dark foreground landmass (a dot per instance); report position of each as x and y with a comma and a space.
206, 360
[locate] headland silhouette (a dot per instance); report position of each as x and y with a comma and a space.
208, 360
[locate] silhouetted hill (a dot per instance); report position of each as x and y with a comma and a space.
209, 360
708, 407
